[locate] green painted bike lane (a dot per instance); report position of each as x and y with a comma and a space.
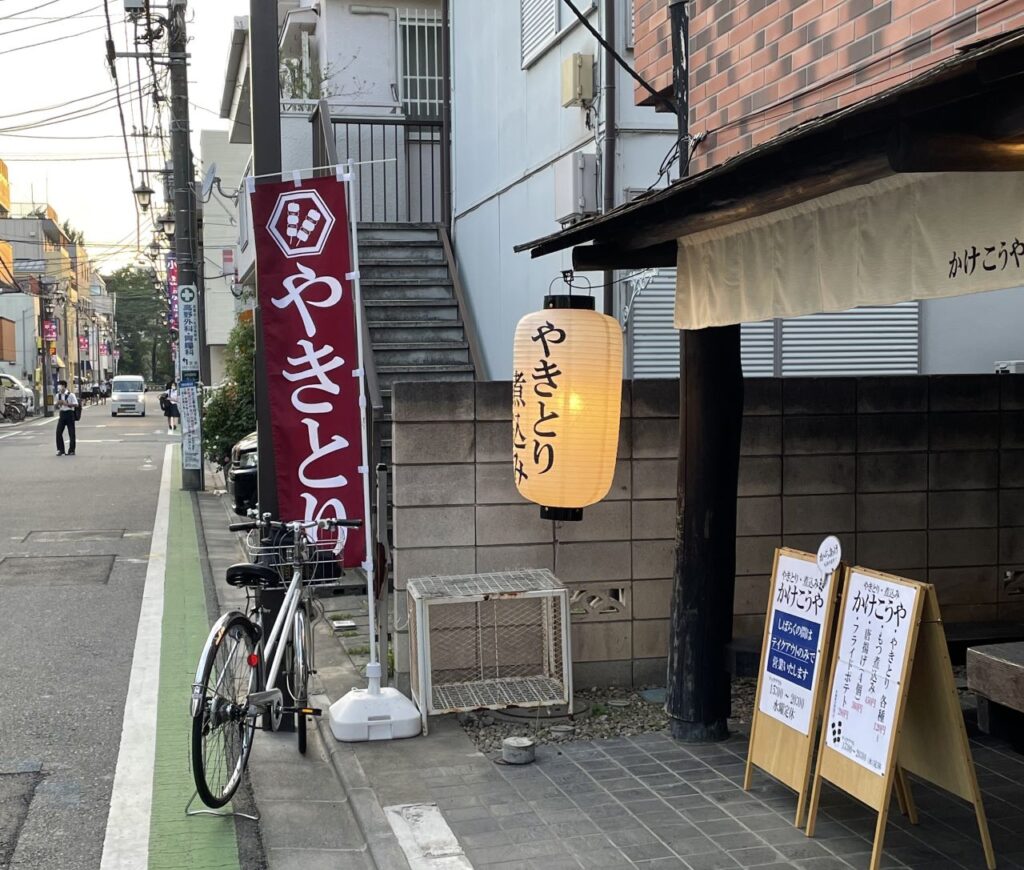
177, 840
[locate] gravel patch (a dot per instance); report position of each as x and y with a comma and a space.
600, 713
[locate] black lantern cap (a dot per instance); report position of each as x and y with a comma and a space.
561, 514
565, 300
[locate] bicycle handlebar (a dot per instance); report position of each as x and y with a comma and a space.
328, 523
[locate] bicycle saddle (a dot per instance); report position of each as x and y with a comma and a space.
251, 574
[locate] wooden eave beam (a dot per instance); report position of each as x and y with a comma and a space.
598, 257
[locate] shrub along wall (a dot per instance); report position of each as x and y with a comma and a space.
921, 476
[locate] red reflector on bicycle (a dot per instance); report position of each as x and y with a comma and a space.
253, 660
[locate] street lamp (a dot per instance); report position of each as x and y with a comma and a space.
167, 222
154, 249
144, 195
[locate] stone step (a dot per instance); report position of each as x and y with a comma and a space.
374, 251
421, 353
405, 289
404, 270
436, 310
396, 331
396, 232
391, 375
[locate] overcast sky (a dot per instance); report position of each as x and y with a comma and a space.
51, 163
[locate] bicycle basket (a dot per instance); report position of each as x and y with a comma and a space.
322, 561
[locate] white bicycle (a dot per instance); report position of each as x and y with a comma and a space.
234, 686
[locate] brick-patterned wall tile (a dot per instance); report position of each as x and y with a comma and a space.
821, 54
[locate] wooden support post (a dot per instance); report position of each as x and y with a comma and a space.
711, 417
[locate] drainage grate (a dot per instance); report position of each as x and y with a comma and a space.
52, 536
16, 791
55, 570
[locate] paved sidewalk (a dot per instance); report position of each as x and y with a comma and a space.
305, 819
640, 802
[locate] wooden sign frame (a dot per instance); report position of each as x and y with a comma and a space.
780, 751
929, 737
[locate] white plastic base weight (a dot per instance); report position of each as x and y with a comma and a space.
364, 714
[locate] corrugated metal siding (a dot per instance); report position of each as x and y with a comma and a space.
863, 341
654, 340
539, 21
757, 349
870, 340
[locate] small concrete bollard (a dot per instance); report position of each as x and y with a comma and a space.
517, 750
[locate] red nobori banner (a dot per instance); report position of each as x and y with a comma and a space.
307, 311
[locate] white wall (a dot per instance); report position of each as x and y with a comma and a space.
967, 334
220, 230
358, 46
509, 127
21, 309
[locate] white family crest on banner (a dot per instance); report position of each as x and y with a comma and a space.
300, 223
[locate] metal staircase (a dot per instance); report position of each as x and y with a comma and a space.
414, 312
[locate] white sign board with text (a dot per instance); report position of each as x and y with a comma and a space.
191, 440
791, 669
871, 652
188, 329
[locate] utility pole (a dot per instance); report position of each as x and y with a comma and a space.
698, 695
184, 202
264, 88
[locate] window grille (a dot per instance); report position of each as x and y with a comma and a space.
420, 53
539, 19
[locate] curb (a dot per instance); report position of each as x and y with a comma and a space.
337, 675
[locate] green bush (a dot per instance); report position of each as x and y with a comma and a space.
230, 414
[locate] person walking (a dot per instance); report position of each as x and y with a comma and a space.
171, 406
66, 402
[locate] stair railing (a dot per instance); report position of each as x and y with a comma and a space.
468, 323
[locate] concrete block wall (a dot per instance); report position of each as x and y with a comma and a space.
921, 476
760, 67
457, 511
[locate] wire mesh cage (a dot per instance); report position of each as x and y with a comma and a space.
489, 641
321, 555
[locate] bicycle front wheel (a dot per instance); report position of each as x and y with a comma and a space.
222, 727
300, 655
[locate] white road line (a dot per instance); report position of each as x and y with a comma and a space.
426, 839
126, 844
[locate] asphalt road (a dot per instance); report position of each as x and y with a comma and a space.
74, 538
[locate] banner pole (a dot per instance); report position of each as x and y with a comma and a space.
374, 666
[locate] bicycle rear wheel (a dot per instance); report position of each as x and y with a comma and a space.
222, 728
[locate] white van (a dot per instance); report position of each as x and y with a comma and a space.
128, 395
17, 391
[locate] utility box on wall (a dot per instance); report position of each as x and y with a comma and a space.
575, 187
578, 80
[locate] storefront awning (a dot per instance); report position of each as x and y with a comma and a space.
901, 238
872, 204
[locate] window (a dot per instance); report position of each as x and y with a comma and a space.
539, 20
420, 57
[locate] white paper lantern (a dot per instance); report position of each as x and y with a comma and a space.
566, 395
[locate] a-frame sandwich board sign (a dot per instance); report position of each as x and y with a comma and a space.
892, 704
793, 672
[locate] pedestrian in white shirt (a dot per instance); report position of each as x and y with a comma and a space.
66, 403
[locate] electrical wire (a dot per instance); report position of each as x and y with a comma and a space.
48, 21
8, 51
120, 113
31, 9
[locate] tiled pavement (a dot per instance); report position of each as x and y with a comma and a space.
648, 802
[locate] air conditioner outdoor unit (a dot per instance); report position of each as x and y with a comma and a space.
1010, 367
575, 187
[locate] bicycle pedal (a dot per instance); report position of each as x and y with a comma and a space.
308, 711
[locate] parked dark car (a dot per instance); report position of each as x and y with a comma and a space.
242, 475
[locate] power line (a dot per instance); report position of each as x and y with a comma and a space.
8, 51
32, 9
106, 92
47, 21
111, 54
73, 115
